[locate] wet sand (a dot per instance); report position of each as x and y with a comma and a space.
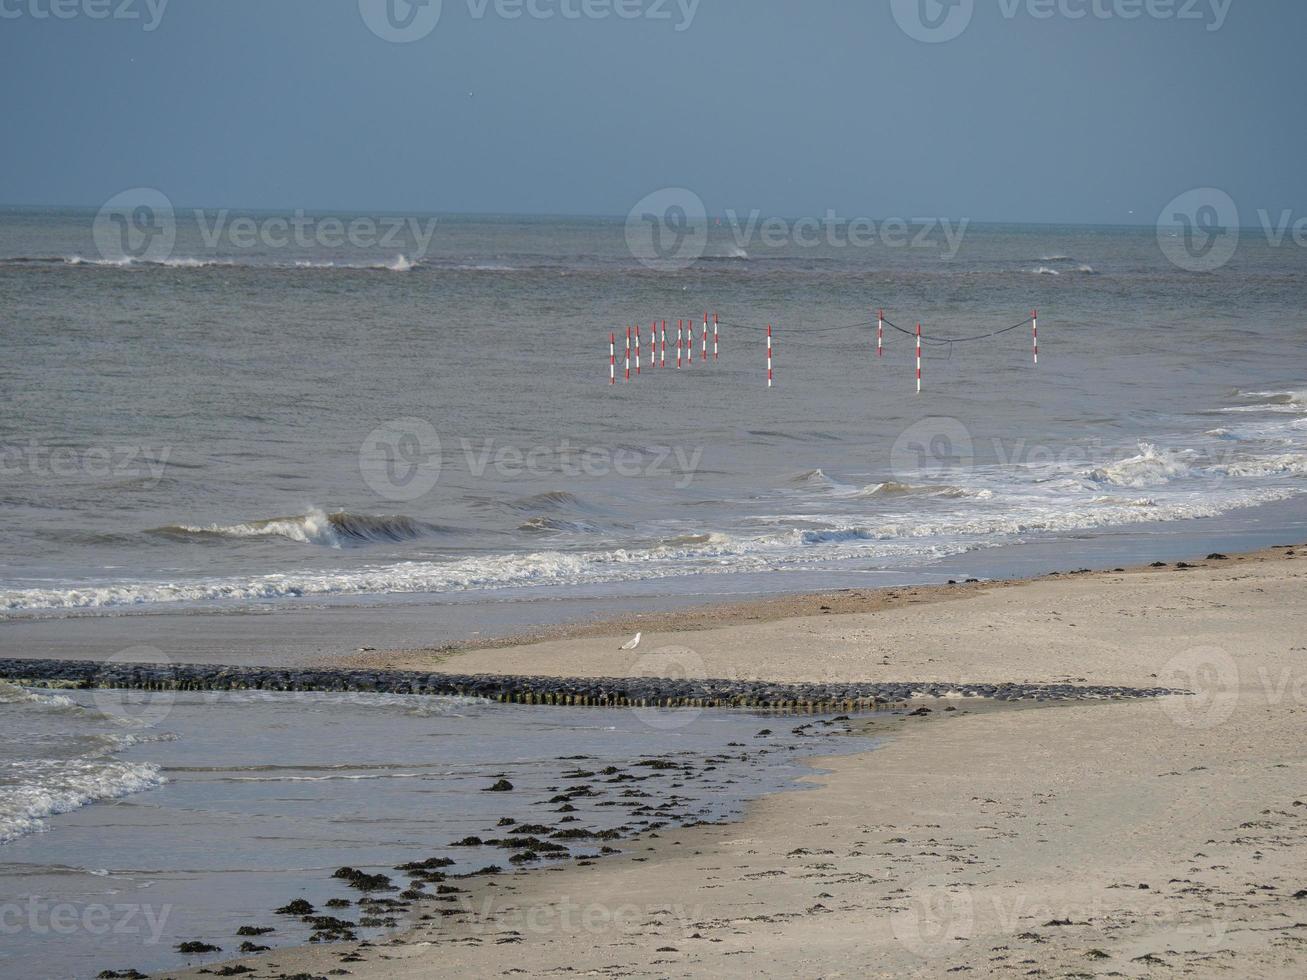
1092, 839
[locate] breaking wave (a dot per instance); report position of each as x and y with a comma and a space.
892, 537
1150, 468
43, 788
337, 530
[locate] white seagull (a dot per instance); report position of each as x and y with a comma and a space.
633, 643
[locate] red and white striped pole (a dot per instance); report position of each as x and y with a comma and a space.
612, 358
769, 373
714, 336
705, 336
918, 358
663, 362
628, 353
880, 333
679, 325
637, 350
1034, 325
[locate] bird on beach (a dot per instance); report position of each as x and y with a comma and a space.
632, 643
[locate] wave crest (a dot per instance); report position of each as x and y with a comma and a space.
336, 530
1150, 468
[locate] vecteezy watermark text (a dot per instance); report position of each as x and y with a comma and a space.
406, 21
141, 225
669, 230
98, 462
573, 461
42, 917
566, 916
301, 230
148, 12
937, 21
402, 460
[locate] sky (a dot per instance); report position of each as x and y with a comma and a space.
790, 107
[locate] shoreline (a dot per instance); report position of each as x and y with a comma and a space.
1120, 836
316, 633
704, 617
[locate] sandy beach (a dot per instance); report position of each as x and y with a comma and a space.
1133, 839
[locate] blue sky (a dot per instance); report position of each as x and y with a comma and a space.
788, 107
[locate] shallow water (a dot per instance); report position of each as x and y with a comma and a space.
260, 429
134, 821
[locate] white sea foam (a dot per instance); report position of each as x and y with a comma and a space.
890, 537
12, 694
1150, 468
398, 264
32, 790
1285, 464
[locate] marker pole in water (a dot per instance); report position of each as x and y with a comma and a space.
769, 374
637, 350
918, 358
663, 362
714, 336
1034, 326
680, 324
612, 358
705, 336
880, 333
628, 353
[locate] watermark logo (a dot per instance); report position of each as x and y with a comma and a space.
401, 21
136, 708
935, 447
401, 460
933, 21
937, 21
668, 229
573, 462
406, 21
138, 225
1213, 677
937, 916
674, 663
1199, 230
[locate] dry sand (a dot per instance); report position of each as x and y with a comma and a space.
1128, 839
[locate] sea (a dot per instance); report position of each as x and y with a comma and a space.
244, 444
266, 428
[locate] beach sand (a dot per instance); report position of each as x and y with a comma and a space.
1131, 839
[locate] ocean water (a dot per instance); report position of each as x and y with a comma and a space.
268, 429
131, 822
